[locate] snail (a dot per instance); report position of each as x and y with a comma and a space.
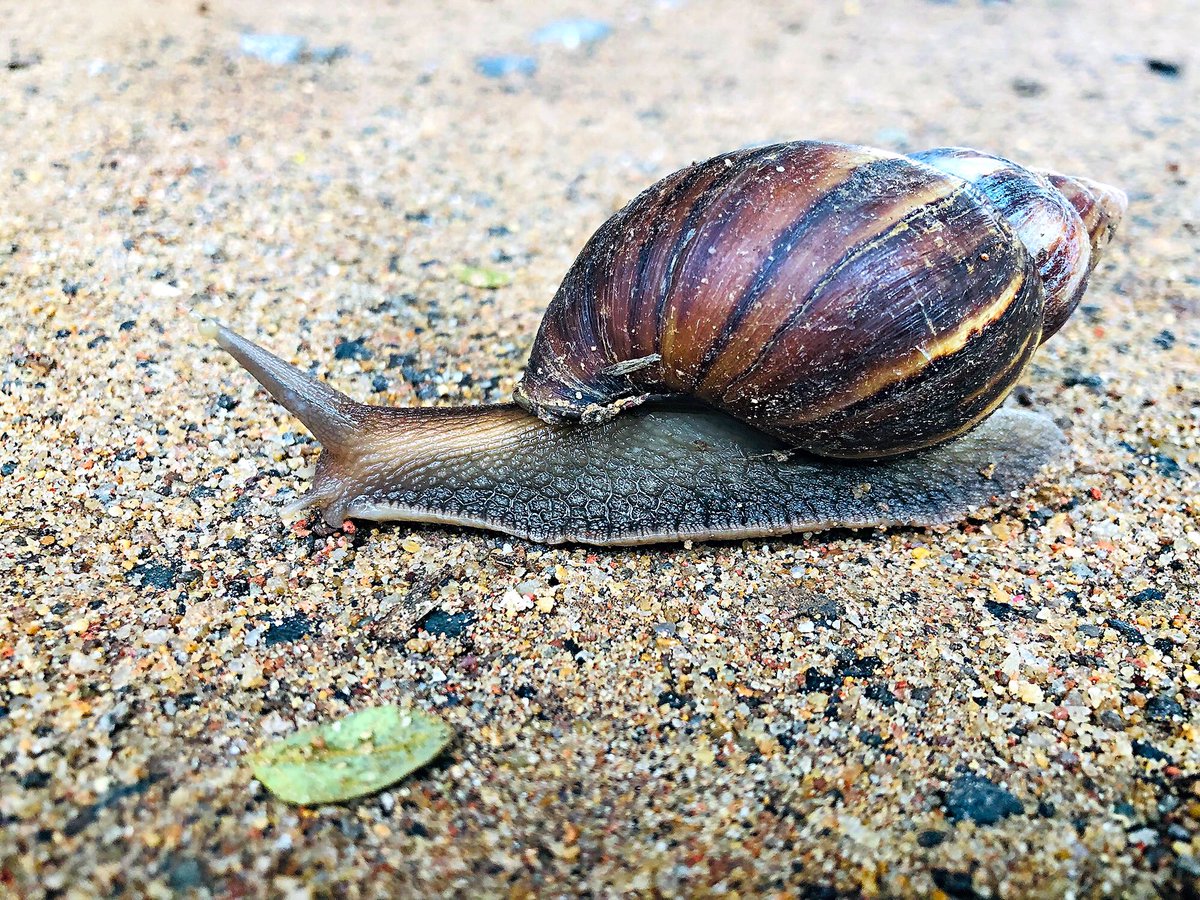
779, 339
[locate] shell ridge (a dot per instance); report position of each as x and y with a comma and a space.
638, 288
817, 211
851, 255
717, 190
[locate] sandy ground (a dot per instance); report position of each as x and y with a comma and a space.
1005, 708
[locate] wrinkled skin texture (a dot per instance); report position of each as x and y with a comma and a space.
661, 472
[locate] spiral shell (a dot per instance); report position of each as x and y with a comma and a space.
850, 301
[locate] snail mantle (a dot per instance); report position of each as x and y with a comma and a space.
781, 339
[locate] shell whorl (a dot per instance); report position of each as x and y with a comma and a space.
849, 301
1045, 221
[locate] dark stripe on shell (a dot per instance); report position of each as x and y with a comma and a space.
946, 394
720, 187
818, 214
852, 256
916, 413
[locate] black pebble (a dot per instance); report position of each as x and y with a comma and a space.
446, 624
35, 779
817, 683
1146, 750
1165, 339
1164, 68
1130, 631
1147, 594
1166, 465
1005, 612
351, 350
672, 699
980, 800
931, 838
1095, 382
290, 629
881, 694
416, 829
857, 667
871, 738
821, 892
156, 575
955, 884
1163, 708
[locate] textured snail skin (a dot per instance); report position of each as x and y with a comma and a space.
662, 472
849, 301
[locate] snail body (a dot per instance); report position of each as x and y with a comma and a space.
729, 342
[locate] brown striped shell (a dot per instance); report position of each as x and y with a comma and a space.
850, 301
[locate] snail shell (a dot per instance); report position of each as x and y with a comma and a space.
768, 311
849, 301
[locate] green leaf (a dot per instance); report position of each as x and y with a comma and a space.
479, 277
360, 754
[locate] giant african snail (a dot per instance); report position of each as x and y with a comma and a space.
730, 349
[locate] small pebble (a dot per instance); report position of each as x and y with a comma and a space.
1165, 68
277, 49
572, 33
504, 66
980, 800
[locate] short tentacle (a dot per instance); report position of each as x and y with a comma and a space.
331, 416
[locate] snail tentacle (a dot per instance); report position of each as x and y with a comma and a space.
331, 416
